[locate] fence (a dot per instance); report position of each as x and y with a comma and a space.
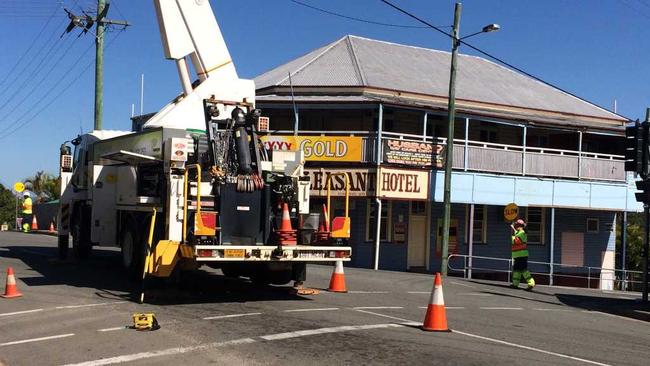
551, 273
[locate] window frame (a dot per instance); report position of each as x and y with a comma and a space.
483, 229
389, 213
593, 219
542, 226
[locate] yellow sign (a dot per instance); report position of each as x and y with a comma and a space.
511, 212
319, 148
19, 187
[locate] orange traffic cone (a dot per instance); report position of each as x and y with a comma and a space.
286, 219
52, 227
11, 290
34, 223
286, 234
337, 282
436, 318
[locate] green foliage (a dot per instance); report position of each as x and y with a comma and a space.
7, 206
45, 186
634, 247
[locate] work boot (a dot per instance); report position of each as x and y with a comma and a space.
298, 285
531, 284
512, 285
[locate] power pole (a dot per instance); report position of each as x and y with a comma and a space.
449, 154
86, 22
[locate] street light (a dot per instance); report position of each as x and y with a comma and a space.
449, 155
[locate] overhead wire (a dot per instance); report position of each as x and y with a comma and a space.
355, 18
26, 121
27, 76
41, 82
29, 48
493, 57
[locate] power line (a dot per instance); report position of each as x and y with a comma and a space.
40, 83
493, 57
354, 18
38, 36
7, 132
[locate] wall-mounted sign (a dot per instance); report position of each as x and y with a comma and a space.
404, 184
413, 153
399, 232
362, 181
319, 148
394, 183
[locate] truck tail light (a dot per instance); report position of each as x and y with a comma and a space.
205, 253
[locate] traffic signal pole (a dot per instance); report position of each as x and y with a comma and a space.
646, 208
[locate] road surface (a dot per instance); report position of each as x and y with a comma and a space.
78, 313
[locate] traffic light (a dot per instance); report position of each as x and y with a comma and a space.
635, 140
644, 187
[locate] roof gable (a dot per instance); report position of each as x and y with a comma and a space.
360, 62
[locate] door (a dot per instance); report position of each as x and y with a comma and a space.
417, 235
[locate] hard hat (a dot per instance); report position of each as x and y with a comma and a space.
26, 194
520, 222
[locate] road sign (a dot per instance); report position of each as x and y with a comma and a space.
19, 187
511, 212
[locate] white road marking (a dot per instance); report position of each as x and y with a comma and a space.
315, 309
419, 292
309, 332
377, 307
530, 348
498, 308
616, 316
368, 292
36, 339
164, 352
546, 309
641, 311
111, 329
89, 305
230, 316
22, 312
474, 294
461, 284
388, 316
446, 307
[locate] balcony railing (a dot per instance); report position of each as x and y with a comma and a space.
505, 159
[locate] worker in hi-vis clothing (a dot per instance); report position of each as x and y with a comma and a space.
27, 211
520, 255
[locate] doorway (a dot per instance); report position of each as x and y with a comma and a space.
418, 236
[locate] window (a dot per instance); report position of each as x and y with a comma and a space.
418, 208
480, 224
371, 228
488, 135
535, 225
592, 225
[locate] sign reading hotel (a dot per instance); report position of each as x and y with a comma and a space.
393, 183
413, 153
318, 148
403, 184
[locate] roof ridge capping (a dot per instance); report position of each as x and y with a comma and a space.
483, 59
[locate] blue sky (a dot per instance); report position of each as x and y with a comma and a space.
595, 49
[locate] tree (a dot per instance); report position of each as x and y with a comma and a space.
634, 246
7, 206
45, 185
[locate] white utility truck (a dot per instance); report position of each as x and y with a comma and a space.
195, 186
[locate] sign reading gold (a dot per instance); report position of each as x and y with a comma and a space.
319, 148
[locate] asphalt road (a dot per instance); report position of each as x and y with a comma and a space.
79, 313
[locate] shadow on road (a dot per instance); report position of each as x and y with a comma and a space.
103, 272
621, 307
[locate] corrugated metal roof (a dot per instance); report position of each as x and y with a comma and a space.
360, 62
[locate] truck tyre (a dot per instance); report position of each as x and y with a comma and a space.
132, 251
63, 244
81, 245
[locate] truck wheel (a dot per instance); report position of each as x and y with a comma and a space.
63, 244
81, 245
132, 251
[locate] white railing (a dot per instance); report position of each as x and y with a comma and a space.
622, 279
503, 158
